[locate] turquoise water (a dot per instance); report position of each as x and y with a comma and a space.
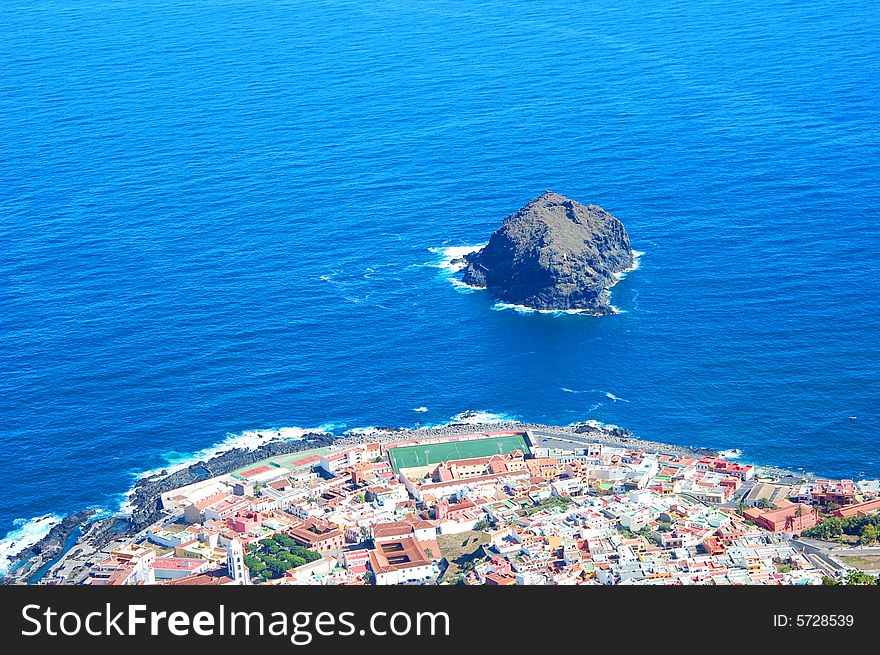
218, 217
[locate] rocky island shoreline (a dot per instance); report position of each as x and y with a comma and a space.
554, 254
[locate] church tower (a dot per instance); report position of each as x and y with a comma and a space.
238, 570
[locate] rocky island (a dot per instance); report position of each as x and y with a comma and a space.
553, 254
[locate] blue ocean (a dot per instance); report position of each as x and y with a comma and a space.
221, 217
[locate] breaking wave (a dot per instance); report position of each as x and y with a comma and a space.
524, 309
448, 269
474, 417
247, 440
25, 535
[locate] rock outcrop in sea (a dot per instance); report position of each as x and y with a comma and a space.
554, 254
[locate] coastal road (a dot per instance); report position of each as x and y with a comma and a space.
819, 555
830, 552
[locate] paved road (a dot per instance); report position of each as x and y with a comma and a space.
819, 555
839, 549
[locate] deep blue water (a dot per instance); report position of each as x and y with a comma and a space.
216, 217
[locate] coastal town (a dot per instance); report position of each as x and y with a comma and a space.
521, 506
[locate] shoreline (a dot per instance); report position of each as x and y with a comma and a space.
51, 552
453, 260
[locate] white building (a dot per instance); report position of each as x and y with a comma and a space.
237, 569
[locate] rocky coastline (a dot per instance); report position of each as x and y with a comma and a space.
611, 435
145, 498
144, 501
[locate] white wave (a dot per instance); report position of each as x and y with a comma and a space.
637, 257
448, 269
524, 309
247, 440
369, 431
420, 409
475, 417
450, 253
611, 396
25, 535
732, 453
567, 390
464, 287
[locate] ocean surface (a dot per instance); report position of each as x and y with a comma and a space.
224, 217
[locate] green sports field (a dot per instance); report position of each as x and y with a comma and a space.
286, 461
422, 455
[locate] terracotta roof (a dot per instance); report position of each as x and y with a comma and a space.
398, 554
202, 579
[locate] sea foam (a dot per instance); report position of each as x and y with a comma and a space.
524, 309
25, 535
448, 267
637, 256
477, 417
247, 440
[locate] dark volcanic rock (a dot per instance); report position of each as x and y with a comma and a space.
593, 428
47, 548
553, 254
146, 502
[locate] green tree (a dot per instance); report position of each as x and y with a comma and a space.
860, 578
273, 557
283, 540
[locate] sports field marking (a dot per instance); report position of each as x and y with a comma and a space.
255, 471
426, 454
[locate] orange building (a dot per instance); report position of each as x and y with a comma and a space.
318, 535
860, 509
786, 517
